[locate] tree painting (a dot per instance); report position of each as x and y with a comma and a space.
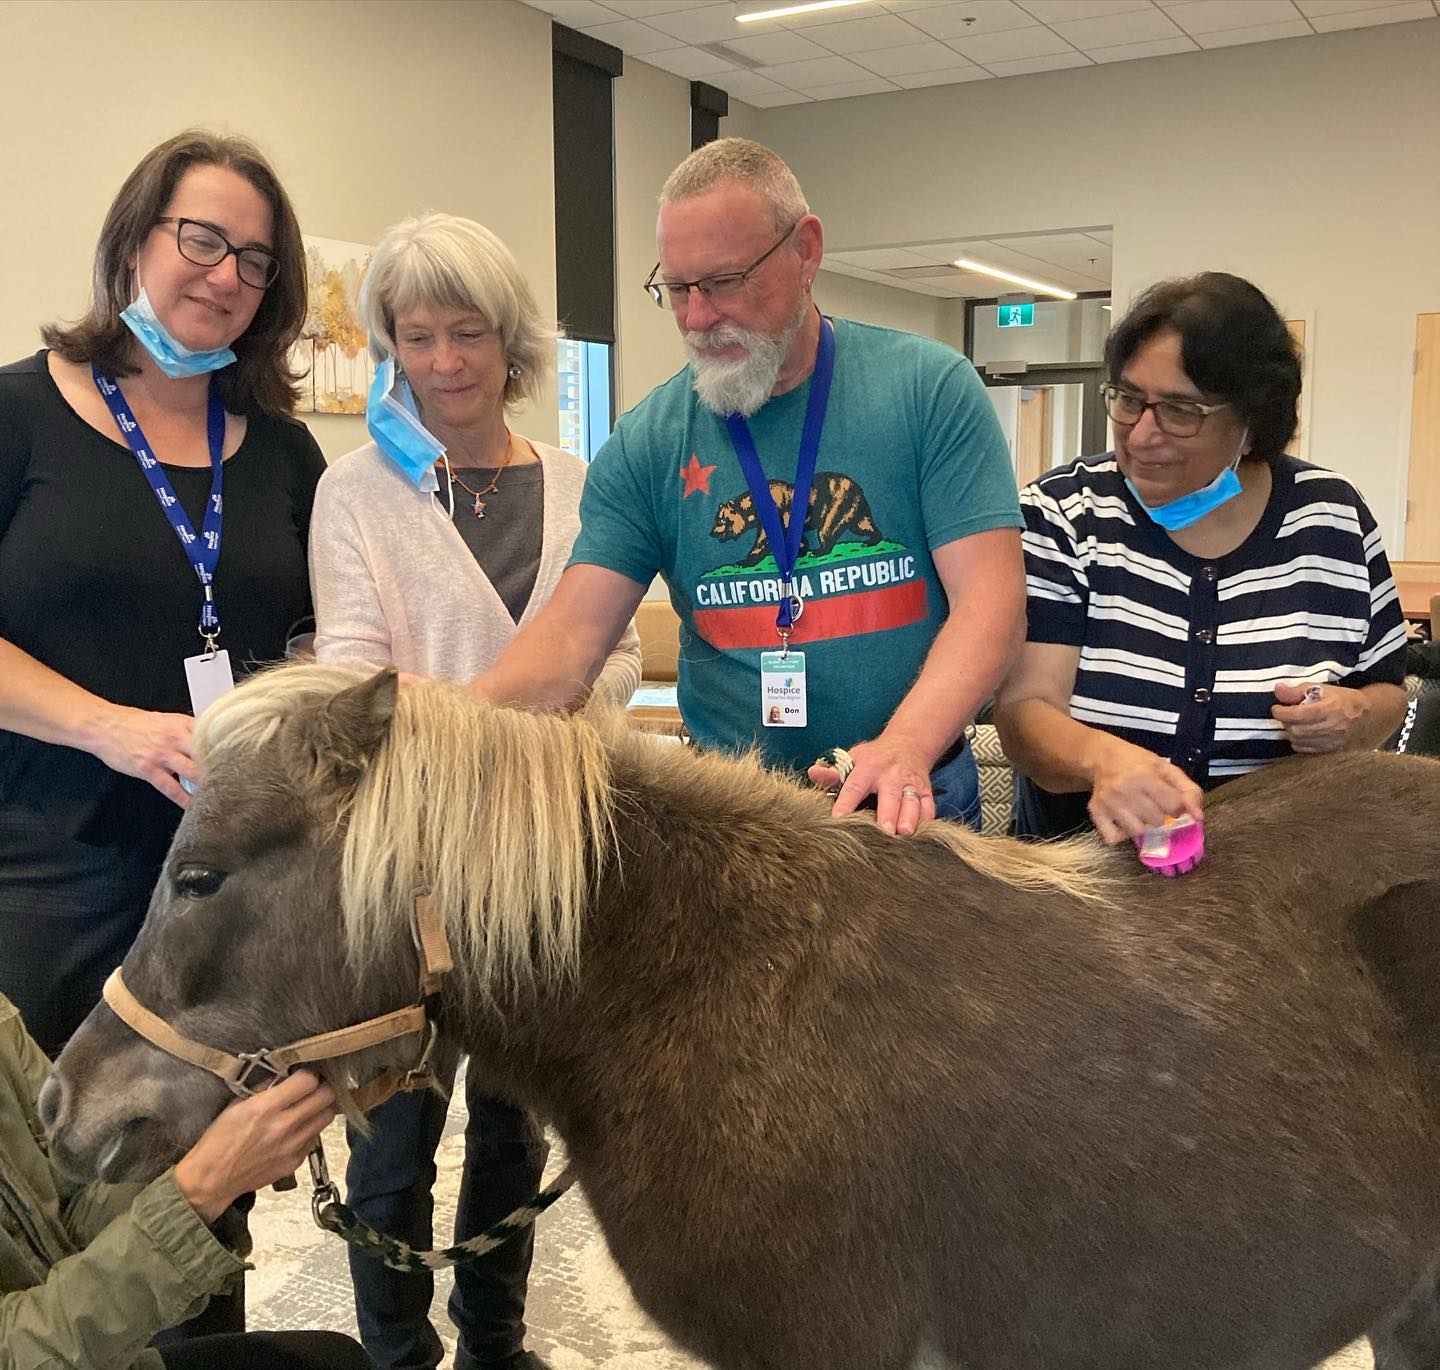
332, 350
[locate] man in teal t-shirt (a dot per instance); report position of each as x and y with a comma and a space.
910, 573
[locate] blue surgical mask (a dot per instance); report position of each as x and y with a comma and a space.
169, 353
394, 423
1180, 513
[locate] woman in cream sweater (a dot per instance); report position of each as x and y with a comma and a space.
430, 547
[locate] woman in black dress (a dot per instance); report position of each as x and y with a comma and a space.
116, 565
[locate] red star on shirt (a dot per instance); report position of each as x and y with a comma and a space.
696, 477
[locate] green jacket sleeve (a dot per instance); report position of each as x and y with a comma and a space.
148, 1269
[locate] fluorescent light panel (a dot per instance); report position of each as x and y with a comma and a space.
808, 8
965, 264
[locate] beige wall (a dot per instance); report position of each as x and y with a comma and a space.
1309, 166
370, 111
870, 302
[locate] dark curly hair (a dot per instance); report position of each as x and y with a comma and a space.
1233, 344
260, 378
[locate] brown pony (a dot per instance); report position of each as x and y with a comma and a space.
841, 1101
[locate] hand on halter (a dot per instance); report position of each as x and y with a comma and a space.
255, 1142
895, 772
148, 745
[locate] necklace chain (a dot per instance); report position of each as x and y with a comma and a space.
478, 508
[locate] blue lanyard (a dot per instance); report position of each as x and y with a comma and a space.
203, 553
785, 541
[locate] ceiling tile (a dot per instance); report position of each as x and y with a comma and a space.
932, 56
693, 64
780, 97
1076, 252
882, 258
986, 16
749, 87
1357, 19
1102, 235
842, 90
1056, 61
1054, 11
646, 9
631, 36
1017, 44
1313, 7
861, 35
770, 49
1259, 33
701, 24
915, 80
1211, 16
1127, 52
575, 13
821, 71
1138, 26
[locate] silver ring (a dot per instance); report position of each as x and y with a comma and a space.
909, 792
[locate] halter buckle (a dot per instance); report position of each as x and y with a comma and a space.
243, 1086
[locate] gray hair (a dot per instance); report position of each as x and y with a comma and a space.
441, 259
751, 164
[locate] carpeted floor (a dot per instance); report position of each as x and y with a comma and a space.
580, 1312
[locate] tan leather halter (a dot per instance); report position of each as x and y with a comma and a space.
248, 1072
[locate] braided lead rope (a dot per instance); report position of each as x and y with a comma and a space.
343, 1221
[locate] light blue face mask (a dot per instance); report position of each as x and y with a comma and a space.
1180, 513
394, 423
169, 353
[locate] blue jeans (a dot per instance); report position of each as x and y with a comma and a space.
956, 786
389, 1182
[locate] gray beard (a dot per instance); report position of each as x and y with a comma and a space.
739, 387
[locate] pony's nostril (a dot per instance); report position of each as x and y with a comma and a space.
118, 1155
52, 1097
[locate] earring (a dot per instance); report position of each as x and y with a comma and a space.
515, 373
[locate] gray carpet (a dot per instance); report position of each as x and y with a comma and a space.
580, 1311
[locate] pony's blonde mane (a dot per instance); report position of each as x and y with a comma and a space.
509, 817
504, 814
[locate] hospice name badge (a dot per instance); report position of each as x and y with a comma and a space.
209, 676
782, 689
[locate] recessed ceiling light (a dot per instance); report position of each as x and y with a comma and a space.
807, 8
965, 264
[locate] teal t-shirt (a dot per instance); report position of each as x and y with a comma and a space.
911, 457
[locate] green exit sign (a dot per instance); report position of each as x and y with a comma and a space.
1015, 315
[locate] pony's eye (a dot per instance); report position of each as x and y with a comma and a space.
198, 882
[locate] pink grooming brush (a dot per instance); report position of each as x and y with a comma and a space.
1175, 847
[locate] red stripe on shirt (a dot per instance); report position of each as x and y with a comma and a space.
869, 611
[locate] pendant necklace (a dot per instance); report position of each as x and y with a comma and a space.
478, 508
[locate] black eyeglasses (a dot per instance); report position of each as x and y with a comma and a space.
674, 294
1174, 418
207, 246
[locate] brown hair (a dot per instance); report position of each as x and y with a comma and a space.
261, 377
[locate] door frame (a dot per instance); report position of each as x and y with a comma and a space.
1087, 375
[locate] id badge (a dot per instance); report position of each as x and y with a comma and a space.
209, 676
782, 689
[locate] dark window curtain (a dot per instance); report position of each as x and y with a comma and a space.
585, 183
708, 105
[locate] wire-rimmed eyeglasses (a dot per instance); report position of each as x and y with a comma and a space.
205, 245
1174, 418
674, 294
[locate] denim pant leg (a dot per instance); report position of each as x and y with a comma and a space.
388, 1183
956, 786
504, 1156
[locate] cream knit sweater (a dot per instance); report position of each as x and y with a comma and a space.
395, 583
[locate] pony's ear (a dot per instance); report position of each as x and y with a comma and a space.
344, 736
